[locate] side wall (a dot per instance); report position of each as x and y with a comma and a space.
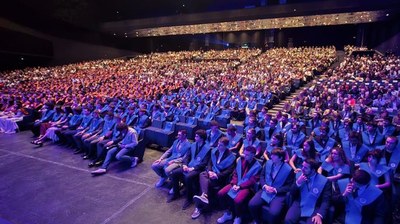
62, 50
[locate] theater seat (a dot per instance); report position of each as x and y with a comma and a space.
224, 119
190, 125
139, 150
165, 136
160, 133
205, 123
265, 209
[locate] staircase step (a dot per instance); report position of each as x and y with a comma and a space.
279, 107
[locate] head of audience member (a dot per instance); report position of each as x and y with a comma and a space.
67, 110
48, 106
120, 110
337, 155
214, 126
278, 115
316, 116
252, 121
182, 106
273, 122
374, 157
309, 150
109, 116
371, 126
325, 121
231, 130
142, 112
267, 118
249, 153
201, 103
200, 135
361, 178
251, 134
354, 138
131, 110
360, 120
223, 144
309, 167
157, 107
86, 111
336, 116
295, 128
96, 114
264, 110
117, 118
122, 128
347, 107
347, 122
385, 115
182, 135
277, 140
284, 118
278, 155
391, 143
324, 130
59, 110
111, 108
386, 122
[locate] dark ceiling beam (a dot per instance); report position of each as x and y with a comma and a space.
278, 11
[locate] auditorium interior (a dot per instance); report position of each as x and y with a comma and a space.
97, 98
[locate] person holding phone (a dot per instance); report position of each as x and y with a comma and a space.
311, 194
364, 202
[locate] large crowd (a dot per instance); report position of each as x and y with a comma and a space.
331, 155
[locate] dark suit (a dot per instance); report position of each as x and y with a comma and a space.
372, 140
239, 203
322, 202
213, 140
278, 202
387, 131
193, 158
373, 210
223, 174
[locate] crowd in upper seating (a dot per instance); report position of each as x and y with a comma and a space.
348, 49
340, 127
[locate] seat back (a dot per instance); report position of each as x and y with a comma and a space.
191, 120
239, 129
209, 117
181, 118
157, 123
226, 113
169, 126
198, 114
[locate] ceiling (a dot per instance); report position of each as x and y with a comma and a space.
127, 16
90, 13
